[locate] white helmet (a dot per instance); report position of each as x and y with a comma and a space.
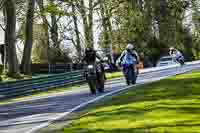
130, 46
171, 48
105, 58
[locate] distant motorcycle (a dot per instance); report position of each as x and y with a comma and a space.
177, 56
95, 77
181, 60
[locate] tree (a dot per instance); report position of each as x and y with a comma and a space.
196, 32
52, 9
107, 39
54, 29
40, 47
45, 24
10, 36
87, 17
76, 29
26, 60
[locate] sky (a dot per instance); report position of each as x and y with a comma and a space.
1, 30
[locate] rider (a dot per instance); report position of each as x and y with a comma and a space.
90, 58
176, 54
128, 59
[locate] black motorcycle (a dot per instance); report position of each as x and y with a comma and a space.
95, 77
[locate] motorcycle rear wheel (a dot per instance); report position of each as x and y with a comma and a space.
100, 83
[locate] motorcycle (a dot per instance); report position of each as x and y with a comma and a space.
131, 73
181, 60
95, 77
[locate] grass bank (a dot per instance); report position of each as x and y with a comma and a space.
168, 106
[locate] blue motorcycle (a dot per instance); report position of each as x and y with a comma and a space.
181, 60
130, 73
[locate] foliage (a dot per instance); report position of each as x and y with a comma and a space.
60, 57
55, 9
40, 46
149, 22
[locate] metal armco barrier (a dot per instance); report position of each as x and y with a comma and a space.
29, 86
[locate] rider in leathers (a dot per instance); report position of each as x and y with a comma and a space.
128, 60
90, 58
176, 54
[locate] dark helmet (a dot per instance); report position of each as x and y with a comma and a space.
88, 49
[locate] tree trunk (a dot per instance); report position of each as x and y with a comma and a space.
188, 45
87, 23
163, 22
26, 60
54, 34
90, 24
10, 36
46, 24
104, 25
5, 46
78, 44
107, 27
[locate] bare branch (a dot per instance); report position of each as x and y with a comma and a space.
2, 27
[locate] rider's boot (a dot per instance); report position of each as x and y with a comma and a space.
93, 92
133, 82
127, 82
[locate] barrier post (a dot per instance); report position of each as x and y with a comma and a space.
49, 66
71, 68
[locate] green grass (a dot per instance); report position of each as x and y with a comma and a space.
5, 77
114, 75
168, 106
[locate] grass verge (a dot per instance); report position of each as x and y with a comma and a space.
114, 75
168, 106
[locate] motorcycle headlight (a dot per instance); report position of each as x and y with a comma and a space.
90, 66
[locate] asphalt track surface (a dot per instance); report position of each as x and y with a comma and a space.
22, 117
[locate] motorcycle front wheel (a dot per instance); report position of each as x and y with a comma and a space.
182, 62
131, 76
92, 85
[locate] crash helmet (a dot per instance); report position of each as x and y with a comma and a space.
89, 49
172, 49
130, 46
